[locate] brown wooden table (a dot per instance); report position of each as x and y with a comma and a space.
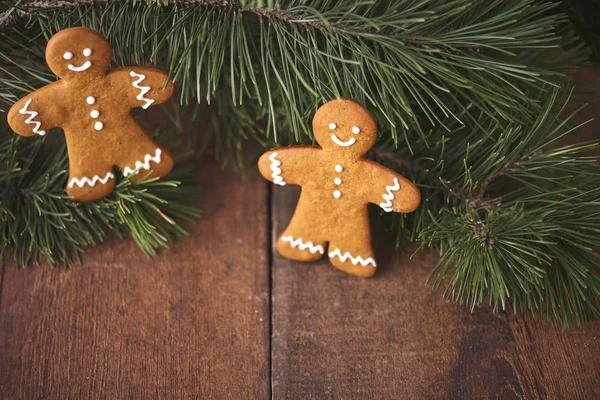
221, 315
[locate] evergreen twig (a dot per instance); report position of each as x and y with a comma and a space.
467, 96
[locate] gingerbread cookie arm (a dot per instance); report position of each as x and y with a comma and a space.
36, 113
390, 190
285, 165
145, 86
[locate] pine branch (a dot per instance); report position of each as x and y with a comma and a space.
38, 220
479, 199
528, 221
465, 94
512, 213
584, 16
16, 15
404, 60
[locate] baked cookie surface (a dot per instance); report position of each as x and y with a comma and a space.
93, 106
337, 184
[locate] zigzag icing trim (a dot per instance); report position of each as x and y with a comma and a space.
303, 246
31, 119
145, 164
143, 89
355, 260
90, 182
277, 178
389, 196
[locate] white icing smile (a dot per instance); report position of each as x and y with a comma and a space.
82, 67
347, 143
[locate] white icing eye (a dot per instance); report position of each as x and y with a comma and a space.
355, 130
87, 52
68, 55
332, 126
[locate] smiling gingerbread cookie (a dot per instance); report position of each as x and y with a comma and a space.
93, 106
337, 184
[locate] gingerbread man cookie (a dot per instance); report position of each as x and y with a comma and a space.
92, 104
337, 184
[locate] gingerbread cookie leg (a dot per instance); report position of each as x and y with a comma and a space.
355, 261
352, 251
300, 241
297, 244
151, 159
86, 185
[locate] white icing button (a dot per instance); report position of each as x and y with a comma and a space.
339, 168
68, 55
95, 114
337, 194
90, 100
87, 52
332, 126
355, 130
337, 181
98, 125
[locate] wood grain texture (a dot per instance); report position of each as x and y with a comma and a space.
194, 322
337, 336
191, 323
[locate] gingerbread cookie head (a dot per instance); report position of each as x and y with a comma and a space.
78, 53
344, 126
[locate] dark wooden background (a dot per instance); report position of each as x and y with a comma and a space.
223, 316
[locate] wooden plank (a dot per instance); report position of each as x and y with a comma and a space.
337, 336
191, 323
